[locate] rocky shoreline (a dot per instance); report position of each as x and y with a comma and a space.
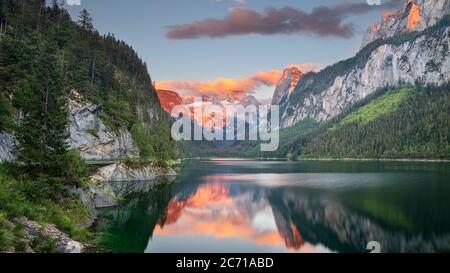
95, 140
99, 195
102, 194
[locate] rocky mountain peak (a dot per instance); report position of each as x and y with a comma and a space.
287, 83
292, 74
416, 15
169, 99
249, 100
422, 57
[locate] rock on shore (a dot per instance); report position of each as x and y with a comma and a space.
63, 242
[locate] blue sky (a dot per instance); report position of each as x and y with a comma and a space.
144, 25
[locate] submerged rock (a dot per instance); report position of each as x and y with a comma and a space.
123, 189
103, 198
122, 172
97, 196
113, 182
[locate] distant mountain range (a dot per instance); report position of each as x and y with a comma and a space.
390, 100
169, 99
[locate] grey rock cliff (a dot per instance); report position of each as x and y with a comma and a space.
425, 58
63, 242
90, 135
416, 15
286, 84
87, 133
6, 146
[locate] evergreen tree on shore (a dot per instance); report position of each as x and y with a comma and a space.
5, 112
41, 97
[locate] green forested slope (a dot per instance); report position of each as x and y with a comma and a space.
316, 82
44, 55
412, 122
104, 69
409, 122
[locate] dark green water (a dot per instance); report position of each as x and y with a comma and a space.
252, 206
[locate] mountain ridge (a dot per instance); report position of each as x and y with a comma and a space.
416, 15
286, 84
405, 58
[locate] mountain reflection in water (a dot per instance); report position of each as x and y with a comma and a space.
249, 206
213, 212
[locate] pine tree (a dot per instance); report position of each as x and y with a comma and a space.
41, 96
5, 112
85, 21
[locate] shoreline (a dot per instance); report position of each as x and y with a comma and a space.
378, 159
323, 159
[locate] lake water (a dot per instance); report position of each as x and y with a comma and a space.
260, 206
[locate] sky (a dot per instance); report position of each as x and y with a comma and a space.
215, 46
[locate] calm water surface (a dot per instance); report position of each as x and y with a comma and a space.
254, 206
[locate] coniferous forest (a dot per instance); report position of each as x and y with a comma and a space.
79, 115
44, 54
410, 122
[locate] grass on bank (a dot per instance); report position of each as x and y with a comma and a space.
42, 201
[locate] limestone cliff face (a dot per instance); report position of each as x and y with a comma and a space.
416, 15
87, 133
286, 84
90, 135
6, 147
424, 58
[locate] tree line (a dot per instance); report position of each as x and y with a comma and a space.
44, 55
418, 127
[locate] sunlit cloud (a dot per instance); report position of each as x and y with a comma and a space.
322, 21
226, 87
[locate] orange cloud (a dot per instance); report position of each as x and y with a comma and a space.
322, 21
225, 87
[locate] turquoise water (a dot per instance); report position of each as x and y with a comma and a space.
312, 206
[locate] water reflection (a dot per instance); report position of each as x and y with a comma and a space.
214, 213
238, 206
